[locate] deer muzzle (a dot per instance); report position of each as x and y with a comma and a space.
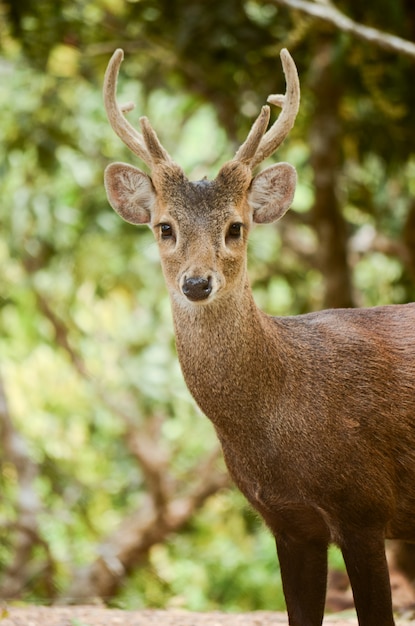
197, 288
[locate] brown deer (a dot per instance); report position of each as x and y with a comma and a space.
315, 413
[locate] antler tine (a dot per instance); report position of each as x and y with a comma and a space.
158, 154
127, 133
290, 103
248, 149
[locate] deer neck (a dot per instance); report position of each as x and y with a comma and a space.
221, 347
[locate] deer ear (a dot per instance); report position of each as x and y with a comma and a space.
130, 192
272, 192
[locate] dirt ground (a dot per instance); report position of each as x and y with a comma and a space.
98, 616
339, 602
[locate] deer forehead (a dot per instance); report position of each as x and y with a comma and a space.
202, 203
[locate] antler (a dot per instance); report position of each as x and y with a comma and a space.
258, 146
150, 151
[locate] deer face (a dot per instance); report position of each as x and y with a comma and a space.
201, 227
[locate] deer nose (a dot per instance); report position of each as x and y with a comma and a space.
197, 288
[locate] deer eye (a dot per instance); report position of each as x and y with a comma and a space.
166, 231
235, 230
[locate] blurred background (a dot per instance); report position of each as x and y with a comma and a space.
113, 487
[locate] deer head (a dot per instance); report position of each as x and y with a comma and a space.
202, 227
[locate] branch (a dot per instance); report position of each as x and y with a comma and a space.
150, 456
328, 13
129, 545
61, 332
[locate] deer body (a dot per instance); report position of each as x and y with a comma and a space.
315, 413
297, 381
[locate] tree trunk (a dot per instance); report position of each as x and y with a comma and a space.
409, 239
325, 146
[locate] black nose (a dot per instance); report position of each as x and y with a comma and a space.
197, 288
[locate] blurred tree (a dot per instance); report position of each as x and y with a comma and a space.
112, 451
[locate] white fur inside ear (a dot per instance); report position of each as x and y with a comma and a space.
130, 192
272, 192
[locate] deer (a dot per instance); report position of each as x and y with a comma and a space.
315, 413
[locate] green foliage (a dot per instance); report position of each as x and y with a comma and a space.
223, 559
67, 251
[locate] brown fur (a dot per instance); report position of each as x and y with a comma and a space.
315, 413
